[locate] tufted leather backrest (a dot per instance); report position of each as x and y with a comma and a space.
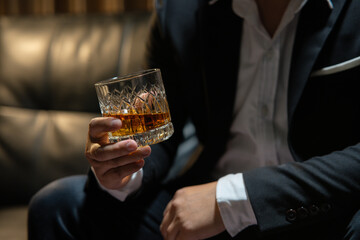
48, 67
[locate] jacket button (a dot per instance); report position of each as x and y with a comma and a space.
291, 215
314, 209
302, 212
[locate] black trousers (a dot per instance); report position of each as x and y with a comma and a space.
65, 210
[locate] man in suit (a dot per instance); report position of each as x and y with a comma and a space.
272, 90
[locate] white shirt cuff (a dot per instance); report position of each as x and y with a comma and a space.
122, 193
235, 207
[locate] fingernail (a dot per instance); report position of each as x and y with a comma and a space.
131, 146
116, 122
145, 151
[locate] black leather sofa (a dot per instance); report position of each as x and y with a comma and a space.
48, 66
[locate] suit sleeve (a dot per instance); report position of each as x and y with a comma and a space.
295, 194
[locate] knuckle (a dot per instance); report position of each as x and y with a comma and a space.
94, 151
97, 153
92, 123
167, 231
88, 154
175, 204
188, 228
178, 193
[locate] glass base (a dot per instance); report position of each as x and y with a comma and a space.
147, 138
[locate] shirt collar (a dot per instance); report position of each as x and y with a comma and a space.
329, 3
248, 10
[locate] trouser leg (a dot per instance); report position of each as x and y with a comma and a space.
46, 219
64, 210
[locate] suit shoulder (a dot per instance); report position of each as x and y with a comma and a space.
182, 12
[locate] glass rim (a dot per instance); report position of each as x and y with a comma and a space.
126, 77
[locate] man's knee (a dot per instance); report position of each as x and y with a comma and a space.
55, 203
57, 194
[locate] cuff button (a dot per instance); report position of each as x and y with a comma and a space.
291, 215
314, 209
302, 212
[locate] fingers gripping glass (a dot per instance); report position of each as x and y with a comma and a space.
139, 101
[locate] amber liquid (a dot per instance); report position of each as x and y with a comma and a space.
139, 123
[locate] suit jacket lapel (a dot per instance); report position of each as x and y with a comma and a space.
221, 36
314, 27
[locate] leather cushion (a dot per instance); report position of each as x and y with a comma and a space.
48, 67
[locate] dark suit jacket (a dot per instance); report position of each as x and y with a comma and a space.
196, 45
